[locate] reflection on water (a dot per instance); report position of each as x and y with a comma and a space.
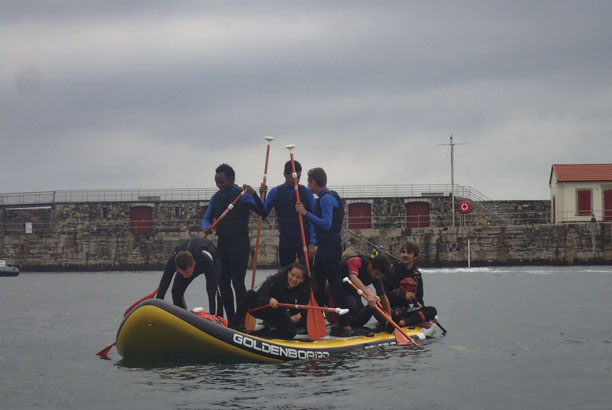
304, 383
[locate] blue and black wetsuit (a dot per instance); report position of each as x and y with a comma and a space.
233, 244
208, 262
327, 218
282, 198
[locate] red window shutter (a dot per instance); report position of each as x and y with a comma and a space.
607, 216
584, 202
360, 216
141, 219
417, 215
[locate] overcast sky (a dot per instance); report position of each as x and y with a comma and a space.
155, 94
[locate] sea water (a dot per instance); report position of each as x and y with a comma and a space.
520, 337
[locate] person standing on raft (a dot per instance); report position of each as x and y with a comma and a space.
233, 231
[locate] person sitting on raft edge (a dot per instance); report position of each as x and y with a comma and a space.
404, 288
291, 285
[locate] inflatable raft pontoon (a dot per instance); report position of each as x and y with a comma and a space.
156, 329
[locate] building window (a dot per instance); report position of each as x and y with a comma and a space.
584, 202
607, 211
360, 216
417, 215
141, 219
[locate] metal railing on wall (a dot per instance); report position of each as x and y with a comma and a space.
203, 194
106, 195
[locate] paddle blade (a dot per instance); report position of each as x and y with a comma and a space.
400, 338
315, 322
104, 352
250, 322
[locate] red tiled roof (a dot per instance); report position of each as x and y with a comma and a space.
581, 172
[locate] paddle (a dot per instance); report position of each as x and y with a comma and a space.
401, 337
149, 296
339, 311
250, 321
229, 208
104, 352
399, 260
314, 320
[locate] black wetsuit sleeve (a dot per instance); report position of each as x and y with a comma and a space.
378, 285
260, 207
164, 284
264, 293
420, 291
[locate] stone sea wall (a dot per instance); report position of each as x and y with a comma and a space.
99, 236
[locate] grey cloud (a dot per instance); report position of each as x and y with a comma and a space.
346, 80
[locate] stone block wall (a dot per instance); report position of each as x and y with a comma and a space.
97, 236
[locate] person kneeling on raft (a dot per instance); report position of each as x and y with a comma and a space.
290, 285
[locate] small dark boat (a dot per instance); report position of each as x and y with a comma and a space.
6, 270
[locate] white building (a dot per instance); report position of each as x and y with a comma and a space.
581, 192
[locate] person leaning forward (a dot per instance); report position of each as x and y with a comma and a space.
191, 258
363, 271
233, 232
283, 199
327, 218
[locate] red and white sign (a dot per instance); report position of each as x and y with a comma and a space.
465, 207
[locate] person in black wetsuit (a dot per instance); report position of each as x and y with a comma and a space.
290, 285
364, 271
191, 258
404, 288
233, 232
327, 218
282, 198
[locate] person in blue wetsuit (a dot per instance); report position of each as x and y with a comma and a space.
191, 258
233, 232
283, 199
327, 218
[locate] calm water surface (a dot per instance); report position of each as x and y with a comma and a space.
528, 337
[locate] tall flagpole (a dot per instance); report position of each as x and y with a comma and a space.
452, 157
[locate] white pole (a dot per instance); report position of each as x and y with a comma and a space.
452, 147
469, 254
